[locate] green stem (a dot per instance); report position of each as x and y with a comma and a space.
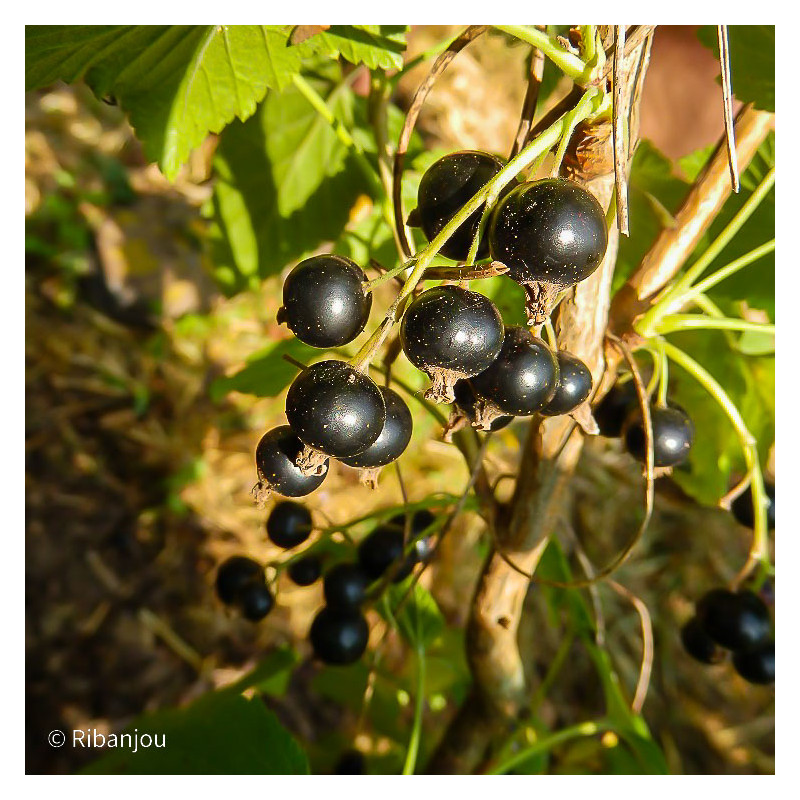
571, 120
419, 707
549, 742
759, 550
588, 43
730, 269
663, 376
570, 64
552, 671
684, 322
342, 134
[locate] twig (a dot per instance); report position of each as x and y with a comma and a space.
618, 131
535, 73
638, 34
439, 66
293, 361
727, 103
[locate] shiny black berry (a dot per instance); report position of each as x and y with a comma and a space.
615, 407
335, 409
345, 585
324, 302
276, 463
394, 436
234, 575
673, 434
698, 644
305, 571
451, 333
350, 763
736, 621
289, 524
523, 378
339, 636
256, 601
551, 234
742, 507
573, 387
756, 665
381, 549
445, 187
468, 406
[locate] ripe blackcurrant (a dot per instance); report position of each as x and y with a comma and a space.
339, 636
276, 463
421, 521
445, 187
756, 665
335, 409
234, 575
573, 387
345, 585
551, 234
289, 524
736, 621
615, 407
256, 601
698, 644
742, 507
521, 380
305, 571
673, 434
382, 548
451, 333
324, 302
392, 441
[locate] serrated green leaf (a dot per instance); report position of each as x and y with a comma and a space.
177, 83
220, 734
376, 46
267, 373
752, 61
285, 184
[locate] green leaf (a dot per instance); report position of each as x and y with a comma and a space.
267, 373
377, 46
221, 734
177, 83
420, 621
752, 61
285, 184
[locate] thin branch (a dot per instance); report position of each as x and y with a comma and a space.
535, 73
637, 35
618, 131
727, 103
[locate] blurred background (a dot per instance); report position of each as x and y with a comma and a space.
139, 462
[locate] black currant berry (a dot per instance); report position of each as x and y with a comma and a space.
276, 463
673, 434
615, 407
381, 549
421, 521
756, 665
742, 507
339, 636
305, 571
345, 586
445, 187
350, 763
335, 409
393, 439
289, 524
324, 302
551, 234
736, 621
451, 333
256, 601
466, 411
234, 575
573, 387
698, 644
521, 380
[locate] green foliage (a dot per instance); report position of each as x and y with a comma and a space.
222, 733
377, 46
419, 620
752, 61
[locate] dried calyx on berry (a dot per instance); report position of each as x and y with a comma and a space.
451, 333
551, 234
324, 301
335, 410
445, 188
276, 464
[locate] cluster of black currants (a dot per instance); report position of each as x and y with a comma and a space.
738, 622
549, 234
